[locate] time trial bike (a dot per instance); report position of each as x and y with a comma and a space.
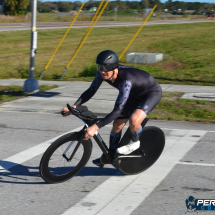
68, 155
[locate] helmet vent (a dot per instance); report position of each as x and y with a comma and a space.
108, 58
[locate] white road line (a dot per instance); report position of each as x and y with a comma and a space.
186, 130
122, 194
28, 154
174, 129
196, 164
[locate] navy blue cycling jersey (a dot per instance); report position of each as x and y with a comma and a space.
130, 82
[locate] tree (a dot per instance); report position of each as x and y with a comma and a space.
179, 5
16, 7
169, 5
138, 7
197, 5
152, 3
208, 8
23, 4
12, 4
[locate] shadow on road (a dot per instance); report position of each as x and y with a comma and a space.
21, 174
45, 94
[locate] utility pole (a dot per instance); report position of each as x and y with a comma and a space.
31, 84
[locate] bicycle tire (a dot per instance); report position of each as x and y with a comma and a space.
152, 142
46, 172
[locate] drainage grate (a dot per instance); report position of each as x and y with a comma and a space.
204, 95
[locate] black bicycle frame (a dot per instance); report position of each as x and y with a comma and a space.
97, 137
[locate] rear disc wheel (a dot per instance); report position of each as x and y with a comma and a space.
152, 142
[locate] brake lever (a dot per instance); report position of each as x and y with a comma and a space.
70, 108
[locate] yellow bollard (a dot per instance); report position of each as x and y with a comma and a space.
92, 20
61, 40
138, 31
84, 40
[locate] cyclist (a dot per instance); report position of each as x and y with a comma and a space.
139, 93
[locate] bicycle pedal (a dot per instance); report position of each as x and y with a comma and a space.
101, 166
104, 160
98, 163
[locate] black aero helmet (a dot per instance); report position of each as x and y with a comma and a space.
107, 60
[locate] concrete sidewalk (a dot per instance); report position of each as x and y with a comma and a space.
54, 100
165, 87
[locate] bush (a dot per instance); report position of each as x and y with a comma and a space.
56, 76
17, 13
89, 71
64, 7
22, 71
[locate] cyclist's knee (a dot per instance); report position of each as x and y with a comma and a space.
136, 119
133, 122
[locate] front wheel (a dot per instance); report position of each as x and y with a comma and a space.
56, 166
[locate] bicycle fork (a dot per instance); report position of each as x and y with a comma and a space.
75, 150
73, 153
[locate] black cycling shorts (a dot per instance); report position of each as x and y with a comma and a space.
147, 103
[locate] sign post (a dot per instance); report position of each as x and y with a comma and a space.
31, 84
115, 10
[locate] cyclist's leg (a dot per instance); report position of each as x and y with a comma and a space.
116, 132
139, 114
135, 121
120, 122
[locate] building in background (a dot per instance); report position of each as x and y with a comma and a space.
147, 10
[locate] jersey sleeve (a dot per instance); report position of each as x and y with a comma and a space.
89, 93
124, 91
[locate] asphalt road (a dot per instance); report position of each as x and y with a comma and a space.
186, 167
54, 25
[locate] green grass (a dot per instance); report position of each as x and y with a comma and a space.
10, 93
171, 107
106, 16
189, 52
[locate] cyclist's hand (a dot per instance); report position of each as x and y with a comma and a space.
67, 112
90, 132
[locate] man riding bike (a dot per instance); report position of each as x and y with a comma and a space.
139, 93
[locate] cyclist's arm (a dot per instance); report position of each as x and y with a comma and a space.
124, 91
89, 93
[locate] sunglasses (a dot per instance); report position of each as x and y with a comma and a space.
107, 67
